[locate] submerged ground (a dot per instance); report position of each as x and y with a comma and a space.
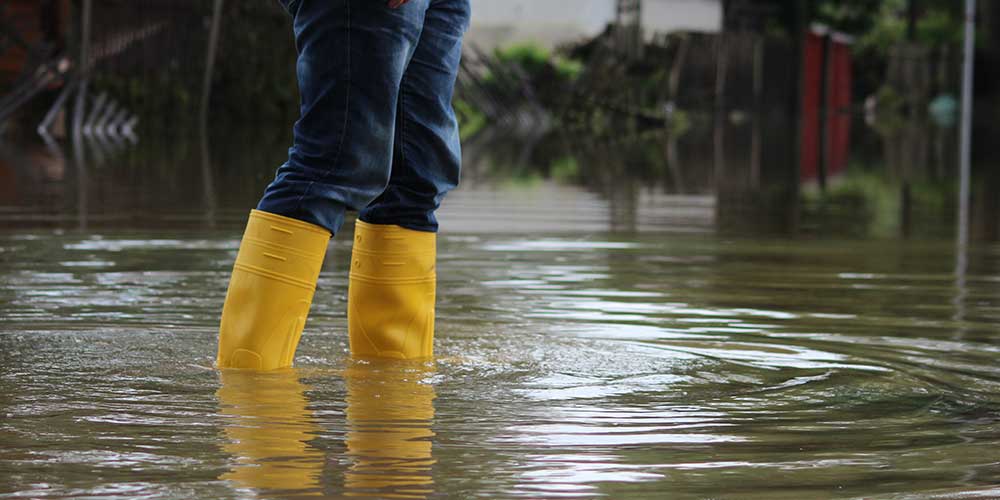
587, 345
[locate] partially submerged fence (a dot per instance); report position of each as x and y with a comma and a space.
113, 63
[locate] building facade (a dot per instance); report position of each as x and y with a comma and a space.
551, 22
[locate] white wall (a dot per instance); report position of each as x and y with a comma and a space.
550, 22
664, 16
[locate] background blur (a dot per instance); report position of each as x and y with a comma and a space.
701, 249
812, 116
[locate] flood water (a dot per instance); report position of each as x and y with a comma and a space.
648, 345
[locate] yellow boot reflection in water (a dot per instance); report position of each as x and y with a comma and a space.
269, 426
389, 414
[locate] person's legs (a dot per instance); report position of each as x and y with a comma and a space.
426, 156
392, 285
352, 55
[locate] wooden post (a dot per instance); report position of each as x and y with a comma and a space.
758, 110
825, 114
911, 20
720, 109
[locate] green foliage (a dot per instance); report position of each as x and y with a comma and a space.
568, 69
938, 23
564, 169
890, 115
888, 28
854, 16
531, 57
470, 119
938, 28
254, 75
521, 66
877, 198
680, 122
868, 194
538, 62
255, 71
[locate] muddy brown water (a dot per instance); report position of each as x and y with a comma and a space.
663, 365
632, 340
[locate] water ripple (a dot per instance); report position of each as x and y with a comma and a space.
567, 367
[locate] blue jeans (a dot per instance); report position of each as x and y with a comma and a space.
376, 132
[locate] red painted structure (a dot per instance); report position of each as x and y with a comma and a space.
826, 103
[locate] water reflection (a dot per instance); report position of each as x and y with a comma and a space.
275, 439
269, 426
389, 437
557, 183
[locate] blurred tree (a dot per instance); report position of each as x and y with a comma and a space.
849, 16
254, 79
878, 24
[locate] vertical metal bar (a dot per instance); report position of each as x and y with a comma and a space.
965, 170
965, 147
84, 72
53, 112
79, 110
206, 93
213, 43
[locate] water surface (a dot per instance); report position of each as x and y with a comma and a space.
584, 364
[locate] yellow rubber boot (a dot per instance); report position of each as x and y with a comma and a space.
270, 292
390, 299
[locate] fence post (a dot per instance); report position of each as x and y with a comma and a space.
718, 139
213, 43
83, 72
208, 185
